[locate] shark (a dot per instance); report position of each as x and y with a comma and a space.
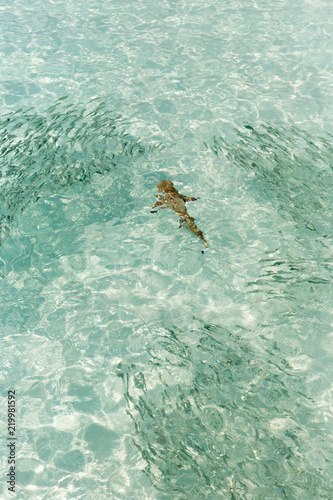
176, 201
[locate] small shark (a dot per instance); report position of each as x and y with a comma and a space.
176, 201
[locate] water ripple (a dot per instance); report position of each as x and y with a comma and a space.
44, 153
294, 169
213, 416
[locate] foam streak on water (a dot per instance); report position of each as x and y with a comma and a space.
144, 368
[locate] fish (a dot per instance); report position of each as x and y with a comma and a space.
176, 201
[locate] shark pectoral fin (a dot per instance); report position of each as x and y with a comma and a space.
158, 204
189, 198
159, 208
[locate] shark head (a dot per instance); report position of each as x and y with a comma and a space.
166, 186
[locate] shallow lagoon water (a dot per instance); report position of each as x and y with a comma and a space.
145, 369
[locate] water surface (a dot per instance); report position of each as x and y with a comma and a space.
145, 369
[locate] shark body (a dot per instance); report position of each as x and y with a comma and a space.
176, 201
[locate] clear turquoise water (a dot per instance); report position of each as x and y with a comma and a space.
143, 368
